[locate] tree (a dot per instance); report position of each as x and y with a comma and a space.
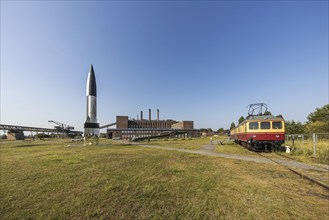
241, 119
267, 113
232, 125
318, 121
317, 127
293, 127
320, 114
220, 131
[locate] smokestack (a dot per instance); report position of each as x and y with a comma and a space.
149, 114
141, 115
157, 114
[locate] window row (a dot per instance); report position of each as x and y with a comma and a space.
265, 125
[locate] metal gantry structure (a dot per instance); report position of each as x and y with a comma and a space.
61, 126
108, 125
17, 128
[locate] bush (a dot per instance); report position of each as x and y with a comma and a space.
42, 135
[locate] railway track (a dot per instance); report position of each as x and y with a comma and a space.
295, 171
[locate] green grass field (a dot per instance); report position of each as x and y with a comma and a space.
48, 180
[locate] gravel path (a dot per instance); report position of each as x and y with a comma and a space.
209, 151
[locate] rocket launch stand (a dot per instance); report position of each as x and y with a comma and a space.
91, 140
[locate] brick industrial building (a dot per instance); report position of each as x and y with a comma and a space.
131, 128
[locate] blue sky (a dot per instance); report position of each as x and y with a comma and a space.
202, 60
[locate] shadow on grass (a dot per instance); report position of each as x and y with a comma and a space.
320, 195
28, 145
95, 146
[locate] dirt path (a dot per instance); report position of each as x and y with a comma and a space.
209, 151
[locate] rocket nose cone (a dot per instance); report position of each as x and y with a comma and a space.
91, 68
91, 82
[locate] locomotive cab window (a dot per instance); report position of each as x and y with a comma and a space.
253, 125
265, 125
277, 125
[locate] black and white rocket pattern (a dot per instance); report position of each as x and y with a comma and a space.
91, 126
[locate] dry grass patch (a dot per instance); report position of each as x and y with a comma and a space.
303, 151
182, 143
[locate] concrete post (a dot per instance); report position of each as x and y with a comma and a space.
314, 144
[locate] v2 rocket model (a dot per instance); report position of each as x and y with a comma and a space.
91, 126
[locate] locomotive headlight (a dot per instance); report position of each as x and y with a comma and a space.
254, 136
277, 136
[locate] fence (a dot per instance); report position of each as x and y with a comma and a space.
315, 142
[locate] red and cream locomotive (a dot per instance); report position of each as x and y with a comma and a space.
261, 132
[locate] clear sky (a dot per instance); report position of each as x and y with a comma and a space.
202, 60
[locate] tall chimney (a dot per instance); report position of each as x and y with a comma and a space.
149, 114
157, 114
142, 115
